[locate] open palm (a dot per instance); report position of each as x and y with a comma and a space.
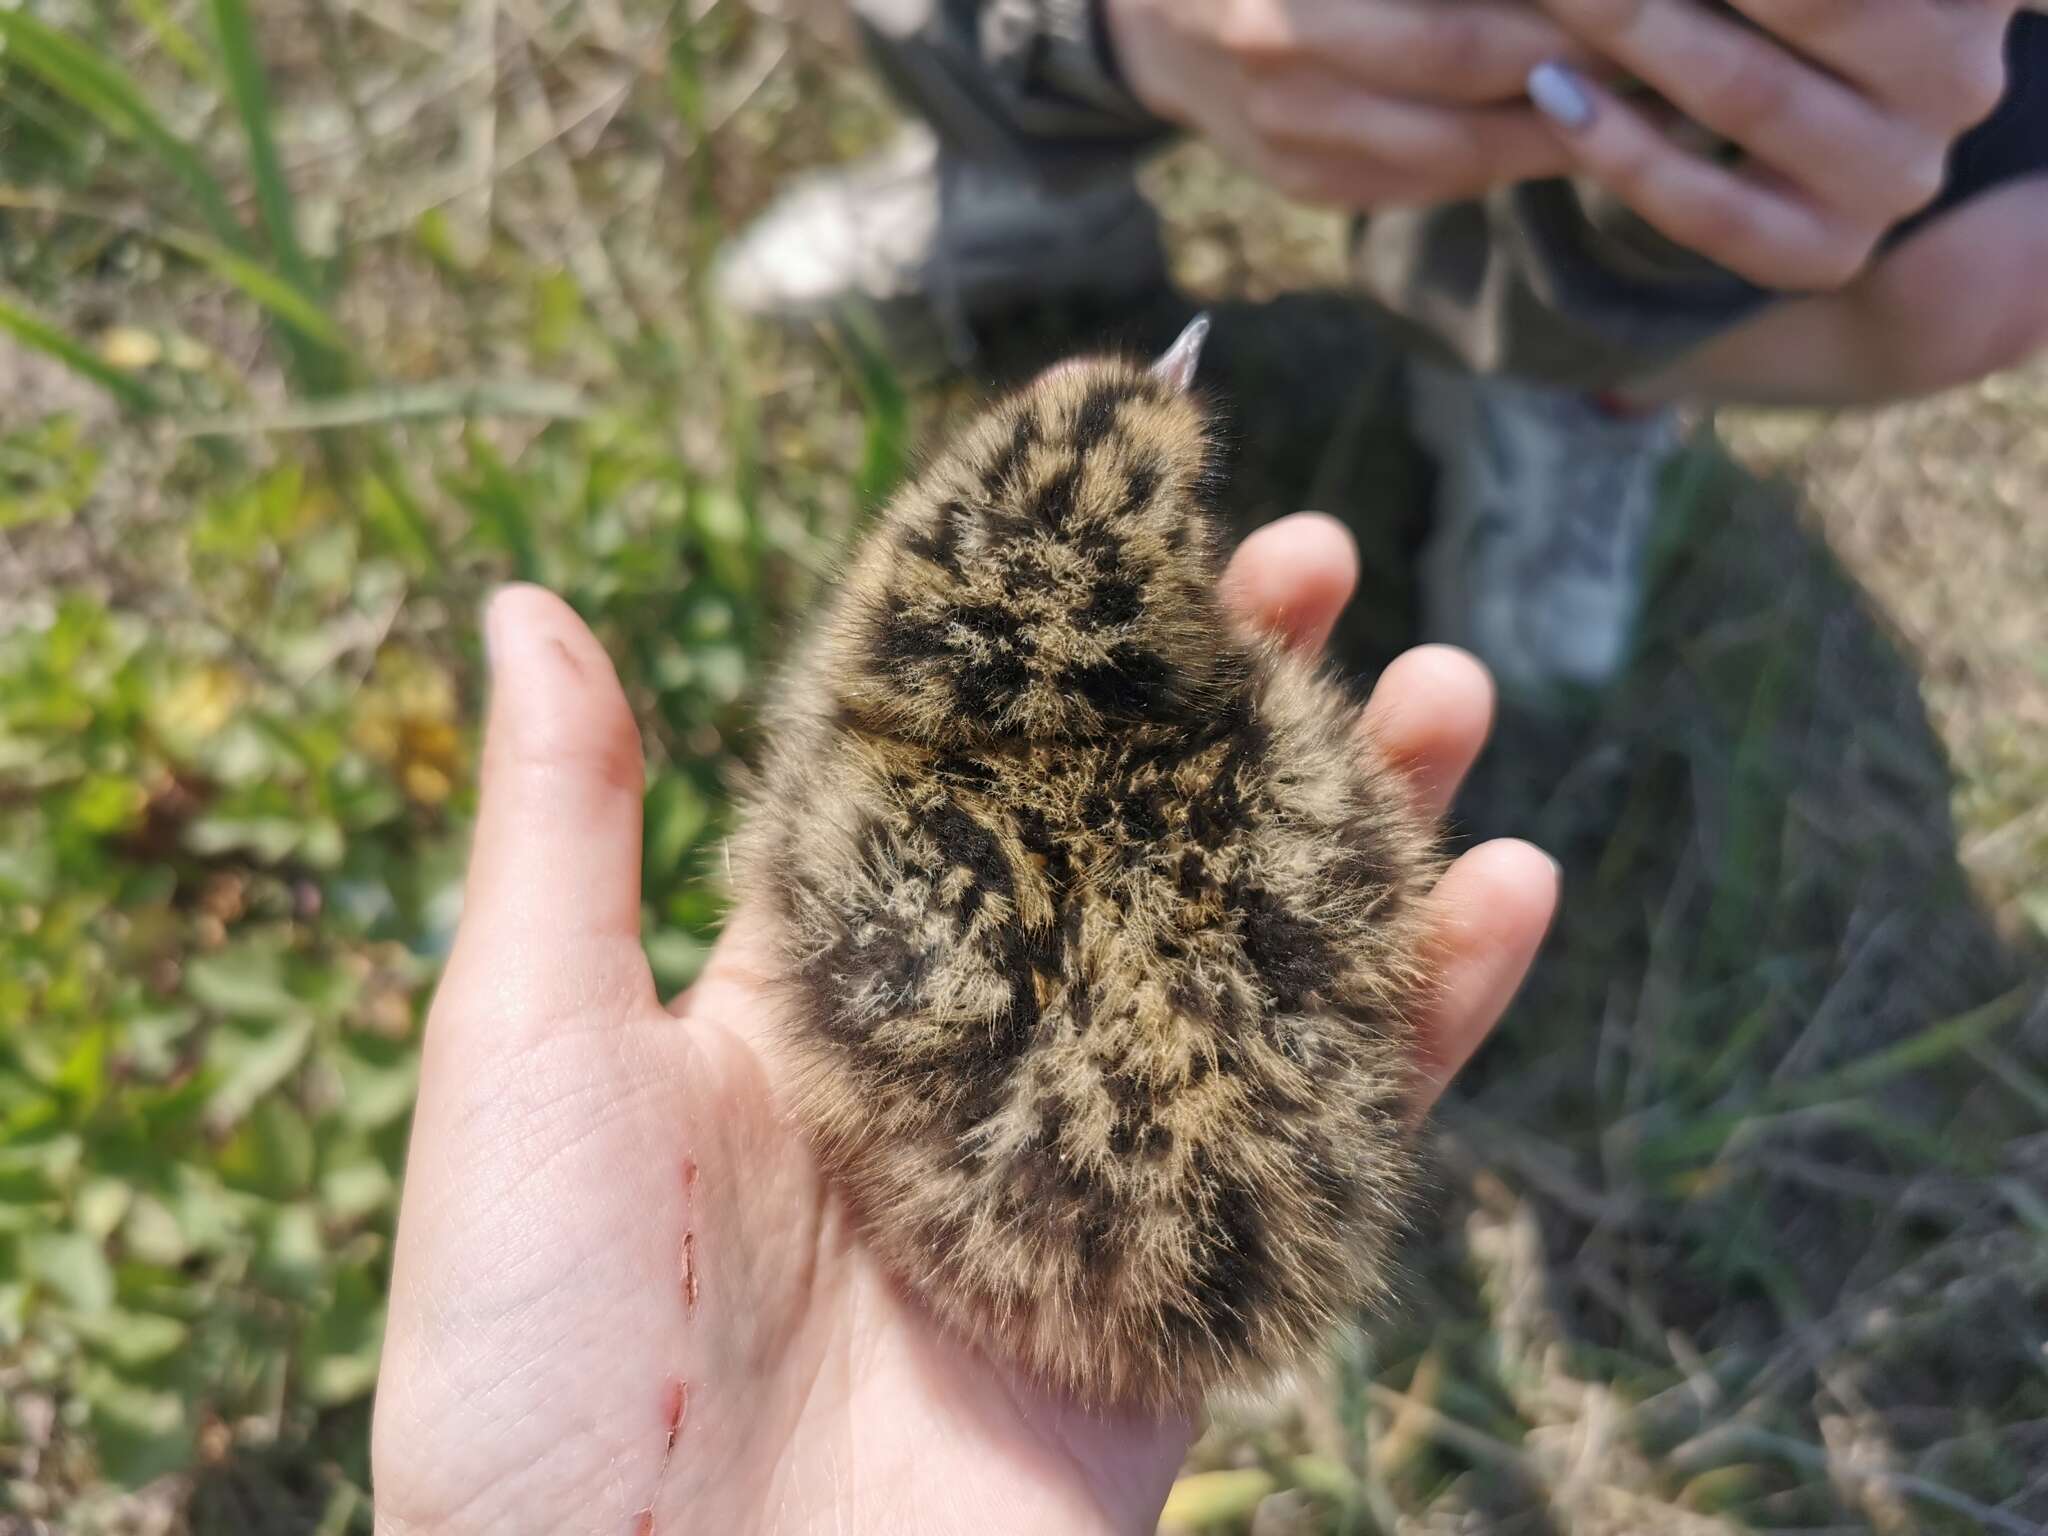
624, 1299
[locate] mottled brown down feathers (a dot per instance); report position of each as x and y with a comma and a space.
1099, 918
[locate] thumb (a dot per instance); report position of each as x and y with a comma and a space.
551, 909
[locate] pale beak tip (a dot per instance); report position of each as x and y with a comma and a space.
1176, 366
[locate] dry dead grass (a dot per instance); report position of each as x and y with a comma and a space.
1940, 509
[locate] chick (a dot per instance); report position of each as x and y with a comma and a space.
1099, 917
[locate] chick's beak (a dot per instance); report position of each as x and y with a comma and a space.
1176, 364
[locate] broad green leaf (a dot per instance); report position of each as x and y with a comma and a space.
339, 1355
243, 982
675, 957
378, 1080
131, 1340
267, 839
104, 804
100, 1205
26, 1184
84, 1074
71, 1265
149, 1038
271, 1152
139, 1433
249, 1063
153, 1235
293, 1254
355, 1185
208, 1218
676, 814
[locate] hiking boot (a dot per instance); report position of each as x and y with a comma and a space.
1544, 504
929, 243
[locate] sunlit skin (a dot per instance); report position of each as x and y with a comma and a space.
624, 1300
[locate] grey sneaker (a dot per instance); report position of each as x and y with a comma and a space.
929, 243
1544, 506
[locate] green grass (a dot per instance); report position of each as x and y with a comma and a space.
237, 730
289, 379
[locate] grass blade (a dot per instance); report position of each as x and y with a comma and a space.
269, 290
276, 293
394, 514
1844, 1087
175, 41
1922, 1050
251, 93
47, 339
112, 96
407, 402
499, 501
885, 410
316, 358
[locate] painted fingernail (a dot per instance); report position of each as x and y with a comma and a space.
1560, 95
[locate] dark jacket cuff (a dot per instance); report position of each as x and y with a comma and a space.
1053, 60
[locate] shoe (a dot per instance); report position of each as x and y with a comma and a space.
1544, 505
930, 243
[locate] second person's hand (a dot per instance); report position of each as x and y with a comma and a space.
1358, 103
1844, 114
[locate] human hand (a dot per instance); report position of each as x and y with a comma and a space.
1844, 113
1359, 103
624, 1301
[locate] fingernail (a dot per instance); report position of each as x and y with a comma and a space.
1560, 95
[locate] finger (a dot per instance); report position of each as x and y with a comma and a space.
1434, 50
1349, 149
1429, 715
1830, 140
551, 908
1489, 914
1940, 64
738, 983
1771, 238
1292, 578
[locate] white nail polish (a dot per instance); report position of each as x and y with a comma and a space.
1560, 96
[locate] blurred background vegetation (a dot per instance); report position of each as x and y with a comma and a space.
318, 320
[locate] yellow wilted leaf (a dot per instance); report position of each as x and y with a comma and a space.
1202, 1499
130, 350
199, 703
426, 783
407, 721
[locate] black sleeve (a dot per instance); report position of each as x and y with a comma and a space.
1030, 79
